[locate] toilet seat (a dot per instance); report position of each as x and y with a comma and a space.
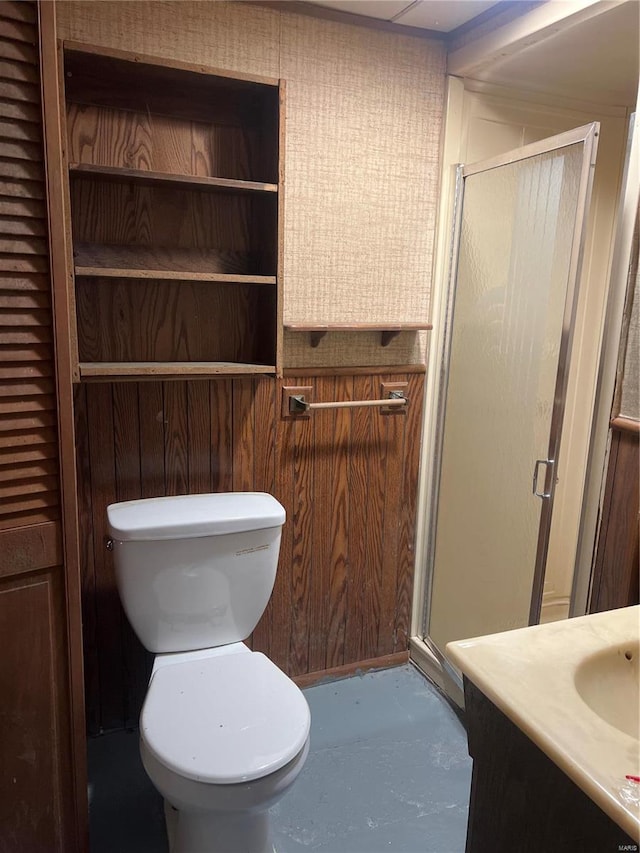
224, 720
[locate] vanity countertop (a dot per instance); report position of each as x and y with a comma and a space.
533, 676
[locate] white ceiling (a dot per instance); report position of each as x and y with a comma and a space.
596, 60
440, 15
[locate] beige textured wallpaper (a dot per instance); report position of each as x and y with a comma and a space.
236, 36
364, 114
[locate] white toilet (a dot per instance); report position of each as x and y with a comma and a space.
223, 732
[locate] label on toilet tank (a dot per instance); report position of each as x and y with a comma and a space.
253, 550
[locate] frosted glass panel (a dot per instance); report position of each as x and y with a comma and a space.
630, 392
516, 237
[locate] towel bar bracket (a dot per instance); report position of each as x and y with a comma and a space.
293, 392
389, 390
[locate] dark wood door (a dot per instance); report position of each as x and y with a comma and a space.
42, 784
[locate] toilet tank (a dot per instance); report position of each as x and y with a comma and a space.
195, 571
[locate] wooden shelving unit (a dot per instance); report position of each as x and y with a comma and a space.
175, 192
388, 331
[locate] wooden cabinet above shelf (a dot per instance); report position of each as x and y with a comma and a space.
388, 331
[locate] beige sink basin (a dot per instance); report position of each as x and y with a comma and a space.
572, 688
609, 683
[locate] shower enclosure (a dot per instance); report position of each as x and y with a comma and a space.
519, 229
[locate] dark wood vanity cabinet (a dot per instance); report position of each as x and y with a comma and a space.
521, 802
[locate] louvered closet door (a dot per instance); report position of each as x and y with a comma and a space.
37, 811
29, 487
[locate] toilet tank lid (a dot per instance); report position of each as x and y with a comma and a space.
191, 516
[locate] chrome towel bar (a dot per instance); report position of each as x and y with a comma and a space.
298, 405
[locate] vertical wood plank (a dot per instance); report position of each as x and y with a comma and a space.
358, 484
265, 435
87, 545
323, 432
339, 580
373, 555
126, 425
176, 462
407, 518
281, 598
265, 481
152, 425
199, 432
243, 435
243, 449
221, 438
394, 469
301, 522
136, 661
153, 484
108, 611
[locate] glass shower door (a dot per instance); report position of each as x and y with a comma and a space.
505, 367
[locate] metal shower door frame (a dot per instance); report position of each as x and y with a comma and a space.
588, 135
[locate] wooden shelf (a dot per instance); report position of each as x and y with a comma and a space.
142, 262
388, 330
148, 178
139, 370
172, 275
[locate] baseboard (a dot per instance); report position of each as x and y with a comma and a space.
336, 672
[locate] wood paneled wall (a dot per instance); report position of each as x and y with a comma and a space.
347, 478
615, 576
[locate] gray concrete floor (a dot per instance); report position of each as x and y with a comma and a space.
388, 769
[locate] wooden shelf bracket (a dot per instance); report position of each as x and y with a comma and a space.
388, 331
315, 338
387, 336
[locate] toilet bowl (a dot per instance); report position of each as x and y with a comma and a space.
222, 738
224, 733
201, 817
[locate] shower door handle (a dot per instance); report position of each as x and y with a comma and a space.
536, 469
